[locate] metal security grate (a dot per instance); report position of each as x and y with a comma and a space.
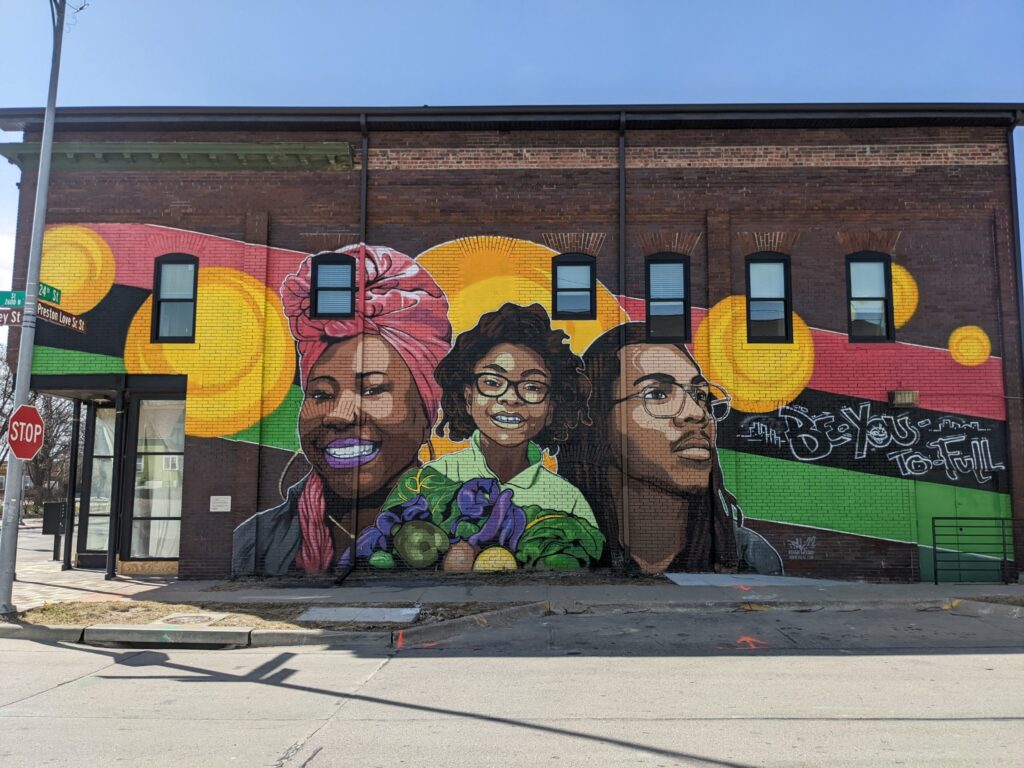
976, 549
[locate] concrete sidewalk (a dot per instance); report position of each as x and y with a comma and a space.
574, 596
41, 580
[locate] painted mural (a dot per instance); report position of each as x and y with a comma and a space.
452, 425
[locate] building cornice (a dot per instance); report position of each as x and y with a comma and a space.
179, 156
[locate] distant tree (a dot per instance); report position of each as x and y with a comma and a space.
48, 471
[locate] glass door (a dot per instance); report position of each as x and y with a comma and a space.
153, 498
98, 490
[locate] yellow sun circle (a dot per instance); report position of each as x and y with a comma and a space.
480, 274
78, 262
969, 345
904, 295
235, 377
760, 377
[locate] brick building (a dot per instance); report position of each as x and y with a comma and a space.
779, 339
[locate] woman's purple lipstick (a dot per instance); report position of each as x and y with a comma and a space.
350, 452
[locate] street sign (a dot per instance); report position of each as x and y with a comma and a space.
25, 432
60, 317
49, 293
10, 316
12, 299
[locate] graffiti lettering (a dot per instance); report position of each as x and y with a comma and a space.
955, 446
802, 548
810, 437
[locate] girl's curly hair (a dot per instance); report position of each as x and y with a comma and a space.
529, 327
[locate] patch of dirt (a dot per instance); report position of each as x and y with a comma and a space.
257, 616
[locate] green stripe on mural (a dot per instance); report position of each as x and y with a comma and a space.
47, 361
280, 428
782, 491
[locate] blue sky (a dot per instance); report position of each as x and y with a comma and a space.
415, 52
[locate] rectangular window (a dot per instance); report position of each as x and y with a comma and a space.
333, 285
668, 298
174, 305
574, 288
870, 298
768, 300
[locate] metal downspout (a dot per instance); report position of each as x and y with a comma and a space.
69, 512
1018, 538
364, 171
623, 317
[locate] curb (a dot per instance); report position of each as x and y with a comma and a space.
55, 633
431, 634
753, 604
166, 634
265, 638
977, 609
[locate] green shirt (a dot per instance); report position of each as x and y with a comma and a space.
534, 485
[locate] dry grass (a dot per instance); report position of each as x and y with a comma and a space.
257, 616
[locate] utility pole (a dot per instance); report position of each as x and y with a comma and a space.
15, 467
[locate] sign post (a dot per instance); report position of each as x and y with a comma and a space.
15, 467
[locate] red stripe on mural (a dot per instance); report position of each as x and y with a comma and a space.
136, 246
870, 371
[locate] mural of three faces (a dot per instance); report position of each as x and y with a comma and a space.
551, 446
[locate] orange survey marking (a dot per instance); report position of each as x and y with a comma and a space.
751, 643
743, 587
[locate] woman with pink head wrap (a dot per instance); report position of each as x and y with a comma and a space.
370, 400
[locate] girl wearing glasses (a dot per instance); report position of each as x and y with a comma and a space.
512, 387
652, 405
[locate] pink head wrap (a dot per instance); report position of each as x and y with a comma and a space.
399, 301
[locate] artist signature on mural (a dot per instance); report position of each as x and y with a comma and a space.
959, 447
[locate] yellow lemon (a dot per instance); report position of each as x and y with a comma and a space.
495, 559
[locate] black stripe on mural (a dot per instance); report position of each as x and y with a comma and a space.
869, 436
107, 324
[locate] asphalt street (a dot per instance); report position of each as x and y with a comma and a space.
623, 687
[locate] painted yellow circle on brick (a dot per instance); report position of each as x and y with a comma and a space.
78, 262
904, 295
969, 345
495, 559
480, 274
760, 377
235, 377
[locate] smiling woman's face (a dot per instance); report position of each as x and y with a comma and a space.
508, 420
675, 453
361, 413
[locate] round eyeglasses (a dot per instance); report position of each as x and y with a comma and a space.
529, 391
666, 400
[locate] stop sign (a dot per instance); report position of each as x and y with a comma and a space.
25, 433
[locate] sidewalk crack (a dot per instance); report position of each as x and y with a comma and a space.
344, 699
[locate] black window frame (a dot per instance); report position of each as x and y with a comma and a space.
668, 257
771, 257
158, 264
567, 260
862, 257
331, 258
